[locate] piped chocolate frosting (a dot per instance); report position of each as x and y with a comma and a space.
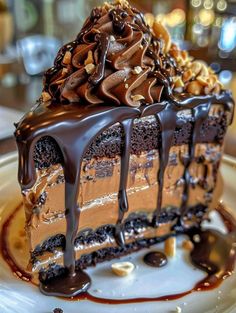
117, 58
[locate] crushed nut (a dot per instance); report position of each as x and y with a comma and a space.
123, 3
67, 58
161, 32
187, 75
204, 70
126, 86
202, 81
89, 59
122, 268
89, 68
178, 82
137, 70
178, 309
196, 67
180, 61
187, 245
170, 247
149, 18
137, 97
46, 96
194, 88
64, 71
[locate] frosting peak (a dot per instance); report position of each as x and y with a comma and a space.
118, 58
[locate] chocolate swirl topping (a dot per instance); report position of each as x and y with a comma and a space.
118, 58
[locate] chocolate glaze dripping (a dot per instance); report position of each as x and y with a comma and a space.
124, 171
167, 120
200, 114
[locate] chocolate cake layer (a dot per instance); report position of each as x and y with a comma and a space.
146, 136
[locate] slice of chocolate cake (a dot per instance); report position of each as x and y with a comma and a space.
122, 150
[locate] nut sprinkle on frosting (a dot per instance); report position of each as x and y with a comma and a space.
118, 56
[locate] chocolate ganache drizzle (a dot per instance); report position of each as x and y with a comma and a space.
118, 63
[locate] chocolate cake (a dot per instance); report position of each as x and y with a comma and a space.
121, 151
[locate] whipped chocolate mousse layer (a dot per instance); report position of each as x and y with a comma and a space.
46, 225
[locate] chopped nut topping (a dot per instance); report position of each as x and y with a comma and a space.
123, 3
149, 18
126, 86
89, 59
122, 268
170, 247
196, 67
188, 75
204, 70
67, 58
137, 97
64, 71
161, 32
89, 68
178, 82
194, 88
187, 245
137, 70
46, 96
202, 81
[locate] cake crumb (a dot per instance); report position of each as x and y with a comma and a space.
57, 310
178, 309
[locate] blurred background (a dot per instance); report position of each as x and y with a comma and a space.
31, 32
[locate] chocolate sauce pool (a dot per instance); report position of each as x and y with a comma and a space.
155, 259
214, 253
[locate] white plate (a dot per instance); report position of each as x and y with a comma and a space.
7, 118
178, 276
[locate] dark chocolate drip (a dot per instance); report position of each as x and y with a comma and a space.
74, 128
155, 259
124, 170
67, 286
200, 114
167, 120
